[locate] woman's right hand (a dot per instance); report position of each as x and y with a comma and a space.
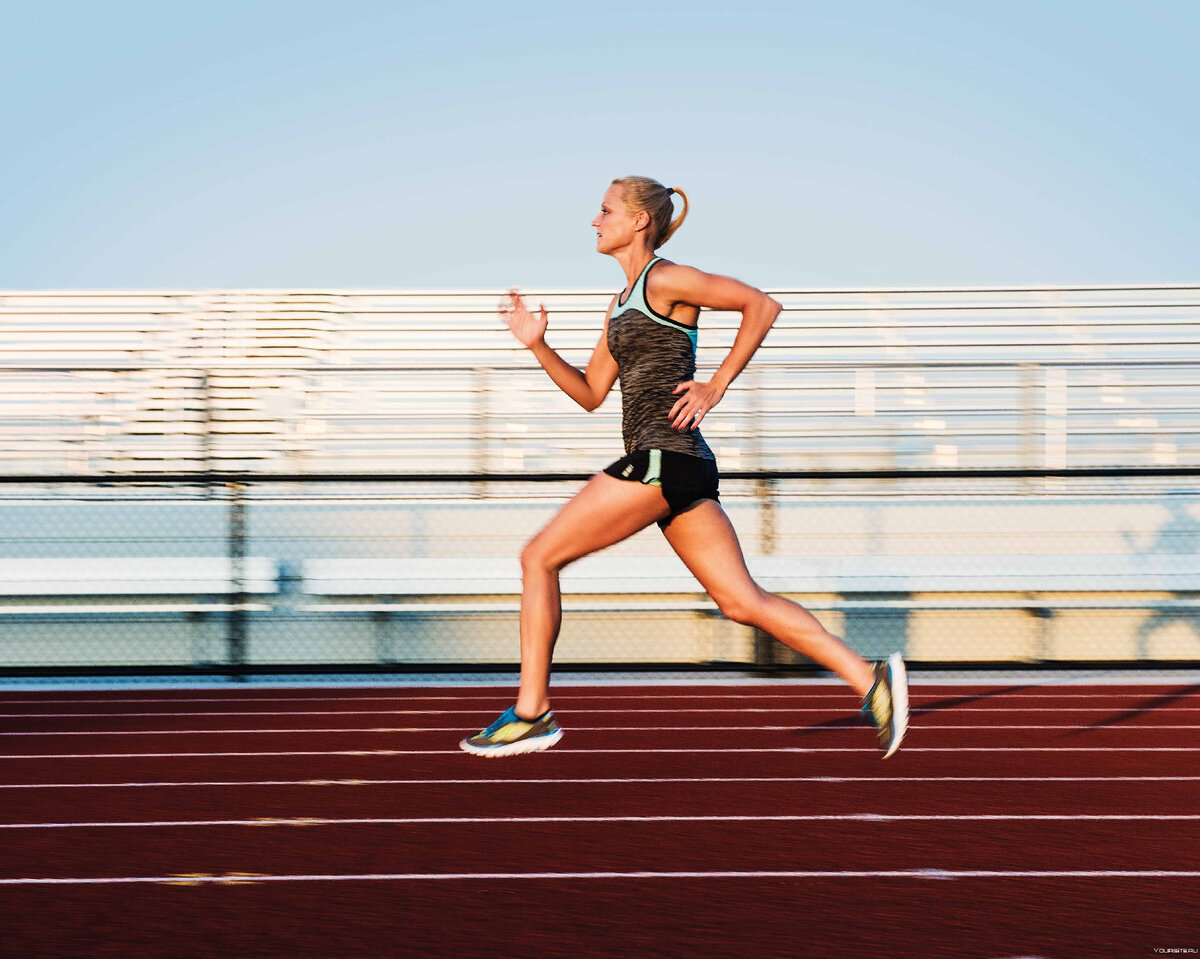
529, 328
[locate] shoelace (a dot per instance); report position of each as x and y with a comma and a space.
508, 716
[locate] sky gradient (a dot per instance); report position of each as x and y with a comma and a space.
417, 146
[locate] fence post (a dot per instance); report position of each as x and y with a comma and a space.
1028, 376
764, 643
1054, 427
482, 408
206, 434
237, 580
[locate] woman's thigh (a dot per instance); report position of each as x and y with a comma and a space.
705, 540
606, 511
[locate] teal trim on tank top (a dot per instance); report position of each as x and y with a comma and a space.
637, 301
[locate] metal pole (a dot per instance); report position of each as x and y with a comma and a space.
482, 398
764, 643
237, 580
1029, 406
206, 436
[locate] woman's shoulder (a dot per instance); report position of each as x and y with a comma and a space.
669, 271
673, 280
686, 284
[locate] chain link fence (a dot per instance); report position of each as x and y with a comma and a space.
249, 575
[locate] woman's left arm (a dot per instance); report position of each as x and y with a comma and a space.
685, 284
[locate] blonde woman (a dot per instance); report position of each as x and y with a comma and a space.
669, 475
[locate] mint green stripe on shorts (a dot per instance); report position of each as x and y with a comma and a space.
653, 475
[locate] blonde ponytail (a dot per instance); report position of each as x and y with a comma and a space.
642, 193
678, 221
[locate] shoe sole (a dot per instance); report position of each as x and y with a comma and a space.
899, 680
532, 745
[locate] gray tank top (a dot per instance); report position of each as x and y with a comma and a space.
654, 355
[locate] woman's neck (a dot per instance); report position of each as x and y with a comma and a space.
633, 262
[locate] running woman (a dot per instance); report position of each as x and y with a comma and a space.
669, 475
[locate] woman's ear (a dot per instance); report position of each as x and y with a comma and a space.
641, 221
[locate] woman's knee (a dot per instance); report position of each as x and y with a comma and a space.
743, 606
539, 556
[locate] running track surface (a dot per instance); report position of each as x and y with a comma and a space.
675, 821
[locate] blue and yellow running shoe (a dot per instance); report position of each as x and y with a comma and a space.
887, 703
510, 735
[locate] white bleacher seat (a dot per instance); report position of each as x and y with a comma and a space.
997, 573
381, 583
142, 575
149, 579
466, 576
410, 584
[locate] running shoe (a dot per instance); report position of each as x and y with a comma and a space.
887, 703
511, 735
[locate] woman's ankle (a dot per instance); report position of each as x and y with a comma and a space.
533, 712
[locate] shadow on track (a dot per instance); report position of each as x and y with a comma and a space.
931, 707
939, 704
1146, 705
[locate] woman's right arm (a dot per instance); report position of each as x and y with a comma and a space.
587, 388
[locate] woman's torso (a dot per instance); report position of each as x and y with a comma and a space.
654, 354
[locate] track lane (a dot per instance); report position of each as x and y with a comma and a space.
441, 739
802, 717
559, 763
833, 696
723, 919
513, 847
327, 799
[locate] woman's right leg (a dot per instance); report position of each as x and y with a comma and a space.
706, 541
606, 511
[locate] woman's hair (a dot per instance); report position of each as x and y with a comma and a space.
642, 193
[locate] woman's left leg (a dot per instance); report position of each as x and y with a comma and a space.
708, 545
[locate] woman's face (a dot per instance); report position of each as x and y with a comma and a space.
615, 226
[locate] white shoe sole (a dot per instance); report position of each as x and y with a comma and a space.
532, 745
899, 676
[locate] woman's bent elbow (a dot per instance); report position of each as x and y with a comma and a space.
593, 401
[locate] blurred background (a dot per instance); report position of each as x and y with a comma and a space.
255, 481
257, 411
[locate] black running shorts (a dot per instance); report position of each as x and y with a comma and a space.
685, 480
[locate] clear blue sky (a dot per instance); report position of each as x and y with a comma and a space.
360, 144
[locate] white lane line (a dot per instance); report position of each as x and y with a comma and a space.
830, 727
572, 695
475, 712
568, 693
598, 750
494, 698
612, 780
934, 874
521, 820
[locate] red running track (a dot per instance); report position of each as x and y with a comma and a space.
671, 821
